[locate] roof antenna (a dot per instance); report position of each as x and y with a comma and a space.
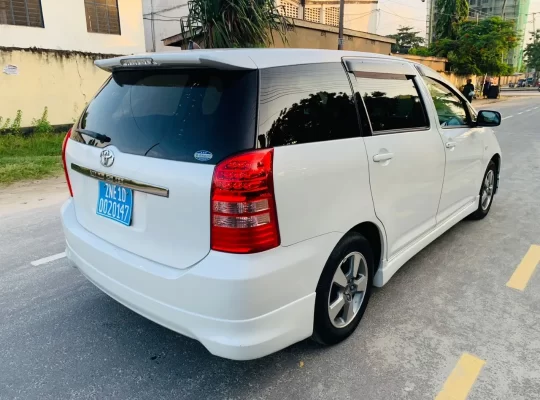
193, 46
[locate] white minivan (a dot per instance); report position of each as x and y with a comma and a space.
250, 199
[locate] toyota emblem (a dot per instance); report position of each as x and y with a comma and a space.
107, 158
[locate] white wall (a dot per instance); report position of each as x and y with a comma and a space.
65, 29
162, 20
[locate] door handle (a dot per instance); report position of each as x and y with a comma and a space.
383, 157
450, 145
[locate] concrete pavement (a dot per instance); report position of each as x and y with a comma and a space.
61, 338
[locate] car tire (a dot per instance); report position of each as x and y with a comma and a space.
487, 192
354, 258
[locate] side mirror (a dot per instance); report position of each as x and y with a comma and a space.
488, 118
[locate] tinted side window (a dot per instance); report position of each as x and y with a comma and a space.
392, 101
450, 108
305, 104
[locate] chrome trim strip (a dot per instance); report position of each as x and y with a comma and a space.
118, 180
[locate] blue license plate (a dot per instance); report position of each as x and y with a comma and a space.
115, 202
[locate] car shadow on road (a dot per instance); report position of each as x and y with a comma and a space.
128, 345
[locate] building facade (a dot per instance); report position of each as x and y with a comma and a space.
48, 48
515, 10
162, 18
358, 15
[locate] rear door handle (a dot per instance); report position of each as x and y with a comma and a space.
450, 145
383, 157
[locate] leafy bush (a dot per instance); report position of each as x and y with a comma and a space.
11, 128
42, 125
16, 125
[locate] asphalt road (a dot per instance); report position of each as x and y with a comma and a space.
62, 338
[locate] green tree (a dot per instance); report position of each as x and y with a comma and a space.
532, 52
406, 39
479, 48
234, 23
449, 14
420, 51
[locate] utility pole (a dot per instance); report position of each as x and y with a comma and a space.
534, 27
152, 26
340, 34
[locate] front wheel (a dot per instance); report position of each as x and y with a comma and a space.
487, 191
343, 290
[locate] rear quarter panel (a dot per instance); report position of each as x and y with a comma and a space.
321, 188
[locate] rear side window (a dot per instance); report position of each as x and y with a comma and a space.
392, 102
306, 104
183, 115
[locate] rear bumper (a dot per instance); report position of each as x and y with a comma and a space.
238, 306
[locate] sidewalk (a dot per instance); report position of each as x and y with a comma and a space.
482, 102
28, 195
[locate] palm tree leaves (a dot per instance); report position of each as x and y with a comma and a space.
235, 23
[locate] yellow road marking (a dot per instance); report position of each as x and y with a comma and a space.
525, 269
462, 378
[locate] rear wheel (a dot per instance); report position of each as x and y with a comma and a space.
487, 191
344, 289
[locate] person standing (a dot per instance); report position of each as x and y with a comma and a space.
468, 90
487, 87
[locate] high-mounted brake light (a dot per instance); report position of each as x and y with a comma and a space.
64, 145
243, 209
137, 62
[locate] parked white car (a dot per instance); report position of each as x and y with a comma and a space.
250, 199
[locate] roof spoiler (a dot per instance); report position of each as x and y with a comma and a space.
224, 59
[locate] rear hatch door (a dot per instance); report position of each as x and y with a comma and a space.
149, 142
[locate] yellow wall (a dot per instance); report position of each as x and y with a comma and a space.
436, 63
62, 83
309, 35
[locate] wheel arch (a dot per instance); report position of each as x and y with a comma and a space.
375, 236
497, 161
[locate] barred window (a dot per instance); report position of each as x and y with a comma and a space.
21, 12
312, 14
102, 16
332, 16
289, 10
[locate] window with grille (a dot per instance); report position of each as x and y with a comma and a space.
102, 16
312, 14
332, 16
21, 12
289, 10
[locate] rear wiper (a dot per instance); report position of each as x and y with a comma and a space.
99, 136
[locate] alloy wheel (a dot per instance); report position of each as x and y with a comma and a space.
348, 288
487, 190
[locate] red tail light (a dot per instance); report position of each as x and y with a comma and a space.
244, 217
64, 145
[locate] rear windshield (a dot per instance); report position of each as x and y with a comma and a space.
184, 115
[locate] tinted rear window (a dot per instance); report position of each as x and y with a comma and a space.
174, 114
